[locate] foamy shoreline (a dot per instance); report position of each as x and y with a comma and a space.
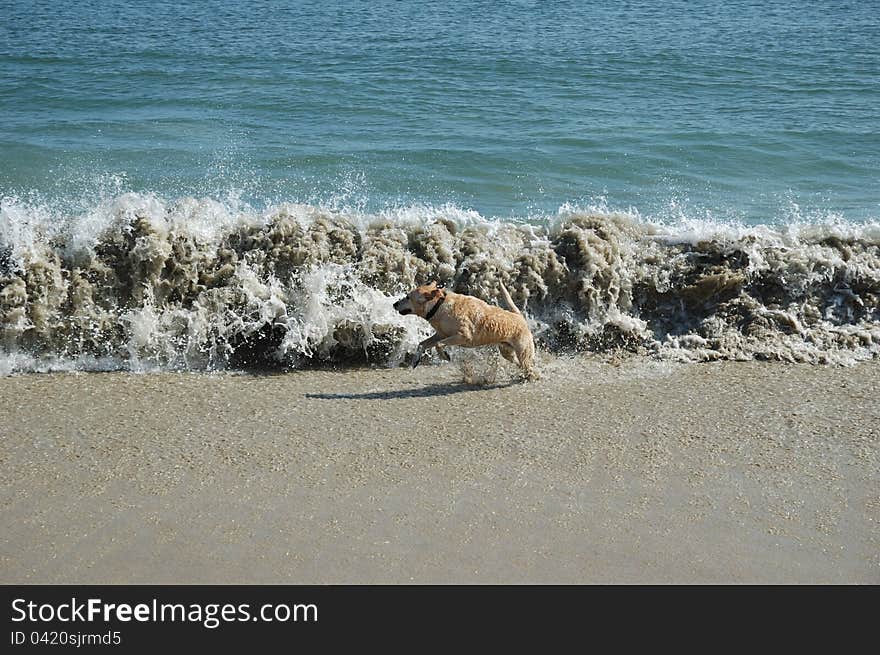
643, 472
141, 282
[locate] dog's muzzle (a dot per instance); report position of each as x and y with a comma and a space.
405, 310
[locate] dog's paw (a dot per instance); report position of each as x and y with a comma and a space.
531, 376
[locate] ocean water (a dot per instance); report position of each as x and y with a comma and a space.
212, 184
737, 109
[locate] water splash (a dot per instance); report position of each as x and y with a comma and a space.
141, 282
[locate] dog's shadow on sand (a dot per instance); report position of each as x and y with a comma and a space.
431, 390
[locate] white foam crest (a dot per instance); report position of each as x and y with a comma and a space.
330, 305
198, 282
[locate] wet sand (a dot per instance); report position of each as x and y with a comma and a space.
641, 472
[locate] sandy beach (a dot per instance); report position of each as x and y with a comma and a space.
629, 473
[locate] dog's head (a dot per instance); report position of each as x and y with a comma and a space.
419, 300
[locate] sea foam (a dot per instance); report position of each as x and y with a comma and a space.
142, 282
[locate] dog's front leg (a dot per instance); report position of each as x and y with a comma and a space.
430, 342
442, 352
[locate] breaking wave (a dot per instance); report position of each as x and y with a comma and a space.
140, 282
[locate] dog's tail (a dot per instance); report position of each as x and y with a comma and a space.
507, 301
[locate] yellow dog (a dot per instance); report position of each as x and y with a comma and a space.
462, 320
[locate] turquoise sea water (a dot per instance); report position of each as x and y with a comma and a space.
757, 111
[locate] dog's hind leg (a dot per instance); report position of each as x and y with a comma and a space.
508, 353
442, 352
525, 352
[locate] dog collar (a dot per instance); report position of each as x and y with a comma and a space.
434, 309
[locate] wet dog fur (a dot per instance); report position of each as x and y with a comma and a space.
461, 320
